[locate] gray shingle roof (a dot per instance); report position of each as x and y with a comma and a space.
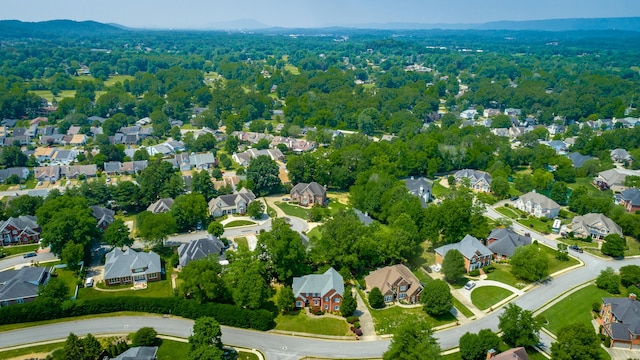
626, 311
23, 222
364, 218
160, 206
578, 159
120, 263
507, 241
21, 284
631, 195
314, 187
537, 198
596, 220
319, 283
198, 249
103, 215
469, 246
138, 353
420, 187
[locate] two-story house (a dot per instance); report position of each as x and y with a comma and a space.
320, 292
503, 242
476, 255
479, 181
231, 204
21, 230
538, 205
420, 187
595, 225
630, 199
620, 320
397, 283
309, 194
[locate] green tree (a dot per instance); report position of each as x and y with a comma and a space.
159, 180
453, 265
286, 300
542, 179
518, 326
413, 339
349, 303
66, 218
500, 187
231, 144
614, 245
255, 209
246, 277
501, 121
215, 229
23, 205
436, 298
206, 335
524, 183
91, 347
156, 228
201, 183
608, 280
117, 234
529, 263
72, 254
73, 348
475, 346
206, 353
283, 252
576, 342
630, 275
202, 281
12, 156
145, 336
55, 291
189, 210
376, 300
262, 173
559, 192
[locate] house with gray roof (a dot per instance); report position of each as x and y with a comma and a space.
199, 249
202, 161
620, 155
131, 267
558, 145
104, 216
613, 179
620, 321
630, 199
308, 194
578, 159
21, 286
231, 204
73, 171
160, 206
320, 292
19, 230
595, 225
363, 217
47, 173
503, 242
479, 181
138, 353
21, 172
64, 157
538, 205
420, 187
476, 255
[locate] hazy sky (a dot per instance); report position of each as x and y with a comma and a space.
303, 13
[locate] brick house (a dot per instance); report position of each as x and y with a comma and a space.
630, 199
309, 194
397, 283
20, 230
475, 254
319, 292
620, 320
503, 242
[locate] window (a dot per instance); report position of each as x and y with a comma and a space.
336, 308
403, 288
388, 298
299, 303
326, 307
20, 301
316, 302
326, 298
336, 300
402, 295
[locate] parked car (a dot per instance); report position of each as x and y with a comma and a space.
88, 282
576, 248
470, 285
30, 254
514, 198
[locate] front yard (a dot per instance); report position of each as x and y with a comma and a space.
300, 321
18, 249
486, 296
388, 319
160, 288
293, 210
575, 308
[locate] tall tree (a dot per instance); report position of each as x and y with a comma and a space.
202, 281
286, 299
66, 218
118, 234
156, 228
284, 252
529, 263
145, 336
453, 265
189, 210
475, 346
247, 279
23, 205
376, 300
349, 303
436, 298
55, 291
12, 156
413, 340
559, 192
206, 335
159, 180
255, 209
73, 347
215, 229
518, 326
72, 254
614, 245
262, 174
576, 342
201, 183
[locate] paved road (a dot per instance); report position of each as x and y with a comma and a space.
11, 262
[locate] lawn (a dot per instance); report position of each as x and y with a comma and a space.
69, 278
315, 232
292, 69
507, 212
438, 190
242, 242
537, 224
236, 223
502, 273
117, 78
160, 288
575, 308
270, 211
633, 247
293, 210
460, 306
47, 95
555, 264
335, 206
18, 249
169, 350
485, 296
35, 349
301, 322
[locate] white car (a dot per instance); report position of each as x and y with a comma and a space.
470, 285
88, 282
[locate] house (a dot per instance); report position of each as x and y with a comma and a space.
397, 283
162, 149
244, 158
503, 242
43, 154
475, 254
160, 206
127, 167
21, 230
479, 181
420, 187
614, 179
320, 292
518, 353
64, 157
630, 199
73, 171
618, 155
78, 139
620, 321
202, 161
21, 286
103, 215
231, 204
21, 172
199, 249
595, 225
74, 130
364, 218
47, 173
131, 267
138, 353
469, 114
309, 194
578, 159
538, 205
38, 120
559, 146
99, 119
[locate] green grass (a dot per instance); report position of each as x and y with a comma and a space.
555, 264
537, 224
293, 210
335, 206
245, 355
10, 327
69, 278
438, 190
160, 288
35, 349
117, 78
242, 242
271, 211
460, 306
301, 322
575, 308
315, 232
292, 69
633, 247
502, 273
170, 349
485, 296
47, 95
18, 249
507, 212
236, 223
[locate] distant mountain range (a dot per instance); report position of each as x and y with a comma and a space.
53, 28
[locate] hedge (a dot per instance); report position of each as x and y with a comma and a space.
225, 314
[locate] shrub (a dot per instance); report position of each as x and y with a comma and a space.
356, 325
317, 312
376, 300
358, 332
489, 269
474, 272
595, 306
352, 319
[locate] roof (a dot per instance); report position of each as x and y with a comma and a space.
22, 222
471, 173
198, 249
386, 277
232, 199
198, 160
318, 283
617, 154
160, 206
518, 353
616, 176
469, 247
75, 170
506, 241
103, 215
21, 172
420, 187
537, 198
578, 159
315, 188
631, 195
21, 284
42, 151
363, 217
627, 312
138, 353
120, 263
596, 220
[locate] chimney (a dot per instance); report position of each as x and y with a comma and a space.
491, 353
632, 297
